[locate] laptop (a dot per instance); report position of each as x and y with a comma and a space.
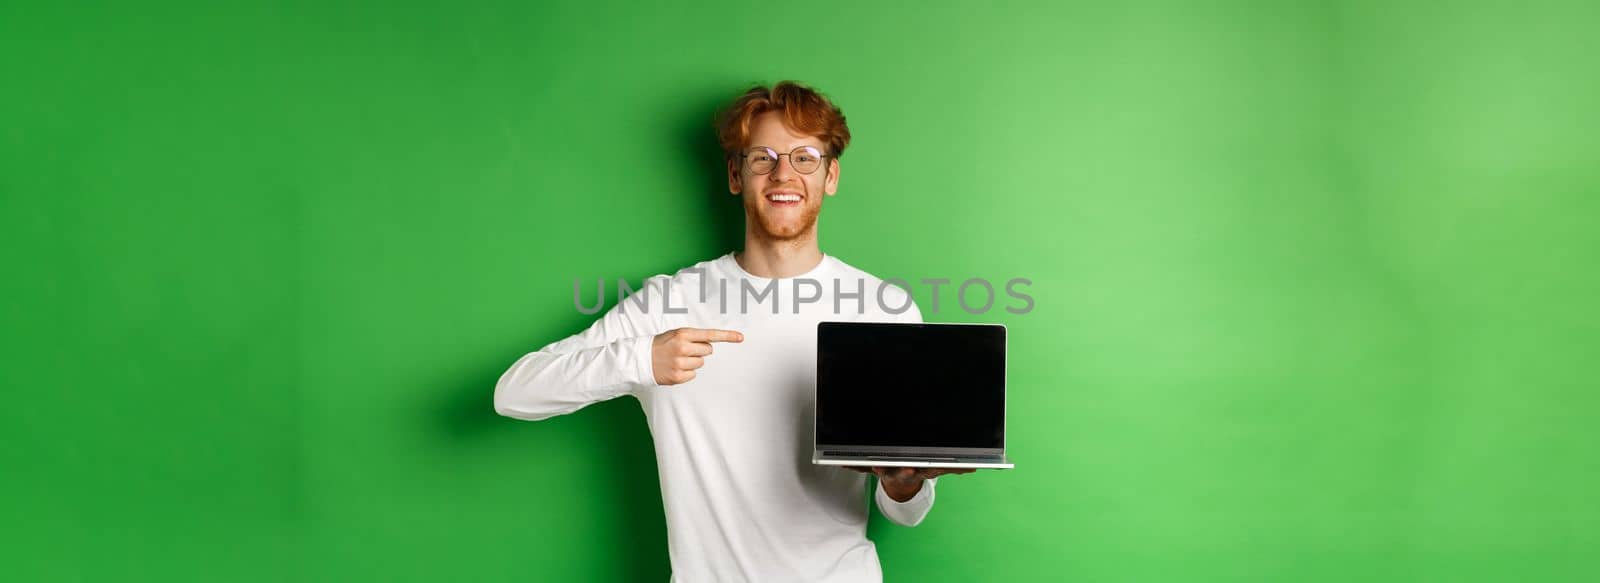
917, 395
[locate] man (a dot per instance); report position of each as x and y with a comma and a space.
722, 356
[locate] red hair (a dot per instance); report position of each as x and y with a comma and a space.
803, 109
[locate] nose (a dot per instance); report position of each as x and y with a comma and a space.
783, 171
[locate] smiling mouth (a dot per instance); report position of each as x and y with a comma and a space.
784, 198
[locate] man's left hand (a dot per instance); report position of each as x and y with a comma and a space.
903, 483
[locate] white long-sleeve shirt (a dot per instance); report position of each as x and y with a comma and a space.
733, 446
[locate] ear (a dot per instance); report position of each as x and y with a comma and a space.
830, 184
734, 185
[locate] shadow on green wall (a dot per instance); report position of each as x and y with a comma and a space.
615, 433
696, 138
465, 417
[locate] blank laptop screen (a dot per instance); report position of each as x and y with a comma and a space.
911, 385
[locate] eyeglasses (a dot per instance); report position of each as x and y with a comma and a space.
804, 159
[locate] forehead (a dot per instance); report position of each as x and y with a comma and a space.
768, 130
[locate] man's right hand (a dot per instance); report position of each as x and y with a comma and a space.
675, 354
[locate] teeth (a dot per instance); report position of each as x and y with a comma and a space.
784, 197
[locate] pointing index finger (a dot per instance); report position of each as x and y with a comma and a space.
712, 335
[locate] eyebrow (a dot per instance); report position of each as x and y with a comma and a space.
791, 148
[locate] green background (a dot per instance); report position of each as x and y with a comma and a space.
1315, 281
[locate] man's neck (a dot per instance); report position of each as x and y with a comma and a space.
778, 259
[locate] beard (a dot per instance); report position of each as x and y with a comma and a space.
773, 225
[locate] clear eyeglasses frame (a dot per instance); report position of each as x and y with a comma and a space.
763, 160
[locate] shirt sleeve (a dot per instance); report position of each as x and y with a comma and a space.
913, 314
609, 359
890, 297
908, 513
